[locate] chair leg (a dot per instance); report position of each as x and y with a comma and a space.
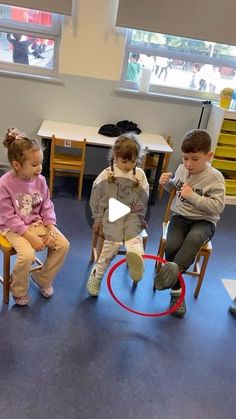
51, 181
99, 246
93, 256
202, 273
160, 192
196, 262
144, 242
6, 277
80, 184
160, 253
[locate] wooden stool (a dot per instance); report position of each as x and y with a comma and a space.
8, 251
97, 245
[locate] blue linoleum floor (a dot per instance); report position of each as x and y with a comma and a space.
79, 357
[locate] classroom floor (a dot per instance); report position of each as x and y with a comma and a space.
75, 356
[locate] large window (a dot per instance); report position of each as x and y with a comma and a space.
29, 41
179, 66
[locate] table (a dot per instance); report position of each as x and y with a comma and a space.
154, 143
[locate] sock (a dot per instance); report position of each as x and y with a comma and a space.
176, 292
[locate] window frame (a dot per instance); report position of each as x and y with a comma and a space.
37, 31
161, 52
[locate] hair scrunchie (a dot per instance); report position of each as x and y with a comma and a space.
15, 133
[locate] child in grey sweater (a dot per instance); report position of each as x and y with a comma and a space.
199, 200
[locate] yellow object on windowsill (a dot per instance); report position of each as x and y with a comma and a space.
225, 97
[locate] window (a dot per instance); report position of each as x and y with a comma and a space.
179, 66
29, 41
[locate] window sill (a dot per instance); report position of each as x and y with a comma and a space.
164, 96
35, 77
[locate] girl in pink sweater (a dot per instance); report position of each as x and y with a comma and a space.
27, 217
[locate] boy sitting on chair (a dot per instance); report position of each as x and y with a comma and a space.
198, 202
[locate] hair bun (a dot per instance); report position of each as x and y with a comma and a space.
12, 135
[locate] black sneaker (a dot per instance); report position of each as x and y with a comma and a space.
232, 308
181, 310
167, 277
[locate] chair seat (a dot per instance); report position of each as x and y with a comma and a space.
207, 246
4, 242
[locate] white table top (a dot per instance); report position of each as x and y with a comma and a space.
152, 142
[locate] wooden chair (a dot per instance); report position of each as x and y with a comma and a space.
64, 163
201, 260
97, 245
151, 161
8, 251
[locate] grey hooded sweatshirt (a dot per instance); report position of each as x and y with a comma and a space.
208, 198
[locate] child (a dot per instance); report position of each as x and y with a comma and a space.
127, 183
199, 199
27, 217
133, 68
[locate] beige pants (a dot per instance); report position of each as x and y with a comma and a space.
26, 256
110, 250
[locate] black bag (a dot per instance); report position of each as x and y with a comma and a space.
128, 126
110, 130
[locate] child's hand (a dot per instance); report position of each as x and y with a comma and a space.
97, 228
36, 242
144, 224
165, 177
186, 191
51, 239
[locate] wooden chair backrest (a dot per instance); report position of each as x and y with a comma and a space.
167, 156
67, 145
170, 200
149, 162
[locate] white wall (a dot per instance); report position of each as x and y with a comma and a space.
91, 45
90, 65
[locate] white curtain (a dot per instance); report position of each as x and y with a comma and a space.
210, 20
56, 6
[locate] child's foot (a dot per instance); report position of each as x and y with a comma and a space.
232, 308
46, 292
181, 310
94, 283
167, 277
21, 301
135, 265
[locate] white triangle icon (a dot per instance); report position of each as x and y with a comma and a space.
116, 210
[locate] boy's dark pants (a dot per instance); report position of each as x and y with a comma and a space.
185, 237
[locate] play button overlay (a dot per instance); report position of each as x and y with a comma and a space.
116, 210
